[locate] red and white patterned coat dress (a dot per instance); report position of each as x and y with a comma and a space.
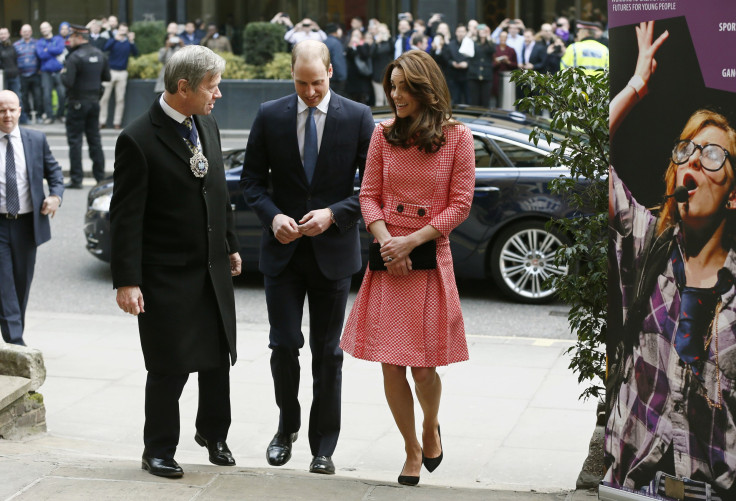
413, 320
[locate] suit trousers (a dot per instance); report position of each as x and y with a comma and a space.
82, 119
17, 261
285, 294
161, 430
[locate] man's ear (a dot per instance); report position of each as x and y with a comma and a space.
182, 87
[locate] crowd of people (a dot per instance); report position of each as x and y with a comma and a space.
471, 56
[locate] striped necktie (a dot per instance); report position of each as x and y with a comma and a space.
12, 201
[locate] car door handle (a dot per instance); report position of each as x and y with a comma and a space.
487, 189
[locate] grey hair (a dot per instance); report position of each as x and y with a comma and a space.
191, 63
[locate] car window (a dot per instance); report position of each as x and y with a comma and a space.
520, 155
485, 156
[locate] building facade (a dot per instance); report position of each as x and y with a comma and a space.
15, 13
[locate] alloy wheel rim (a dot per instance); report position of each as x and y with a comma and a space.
527, 260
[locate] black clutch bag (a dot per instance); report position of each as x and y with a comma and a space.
423, 257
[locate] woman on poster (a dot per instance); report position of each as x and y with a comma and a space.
674, 409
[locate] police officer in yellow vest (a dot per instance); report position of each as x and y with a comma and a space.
587, 52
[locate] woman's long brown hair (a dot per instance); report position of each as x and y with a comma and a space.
426, 83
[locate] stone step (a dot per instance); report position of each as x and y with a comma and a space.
12, 388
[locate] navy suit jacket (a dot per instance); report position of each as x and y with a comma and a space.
274, 181
40, 165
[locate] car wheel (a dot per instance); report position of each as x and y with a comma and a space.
522, 259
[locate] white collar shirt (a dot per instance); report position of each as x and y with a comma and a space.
21, 173
516, 43
177, 117
320, 115
528, 51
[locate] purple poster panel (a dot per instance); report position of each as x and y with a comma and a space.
671, 345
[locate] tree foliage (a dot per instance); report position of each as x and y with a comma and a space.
578, 107
261, 41
149, 35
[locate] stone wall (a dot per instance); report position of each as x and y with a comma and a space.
25, 416
22, 411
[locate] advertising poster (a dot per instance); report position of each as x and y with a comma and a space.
671, 387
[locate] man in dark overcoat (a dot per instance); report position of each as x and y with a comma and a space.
303, 153
173, 246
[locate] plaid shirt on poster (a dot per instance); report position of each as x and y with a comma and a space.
660, 401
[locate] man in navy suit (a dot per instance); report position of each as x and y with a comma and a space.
25, 160
307, 148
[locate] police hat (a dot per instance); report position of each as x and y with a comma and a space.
79, 29
589, 25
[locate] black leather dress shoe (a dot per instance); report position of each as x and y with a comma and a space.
219, 452
161, 467
279, 450
322, 464
73, 186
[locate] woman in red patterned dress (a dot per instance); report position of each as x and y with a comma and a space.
418, 186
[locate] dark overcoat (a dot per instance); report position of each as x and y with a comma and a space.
172, 234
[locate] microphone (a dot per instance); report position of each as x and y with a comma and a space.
680, 194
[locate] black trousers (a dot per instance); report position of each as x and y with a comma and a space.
83, 118
285, 296
161, 430
31, 88
479, 92
458, 91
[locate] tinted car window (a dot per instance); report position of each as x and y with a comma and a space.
485, 156
521, 156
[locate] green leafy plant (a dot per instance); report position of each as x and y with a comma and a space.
235, 67
149, 35
279, 68
578, 107
261, 41
145, 66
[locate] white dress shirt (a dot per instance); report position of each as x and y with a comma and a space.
21, 173
178, 117
320, 114
528, 51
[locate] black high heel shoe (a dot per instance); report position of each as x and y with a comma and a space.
408, 479
431, 464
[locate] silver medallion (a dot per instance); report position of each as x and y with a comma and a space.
199, 165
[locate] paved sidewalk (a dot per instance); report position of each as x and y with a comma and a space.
510, 417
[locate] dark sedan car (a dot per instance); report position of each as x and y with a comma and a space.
504, 238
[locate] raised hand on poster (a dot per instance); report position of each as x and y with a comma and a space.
645, 63
638, 86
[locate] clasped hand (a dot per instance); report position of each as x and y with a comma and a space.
313, 223
50, 205
395, 253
